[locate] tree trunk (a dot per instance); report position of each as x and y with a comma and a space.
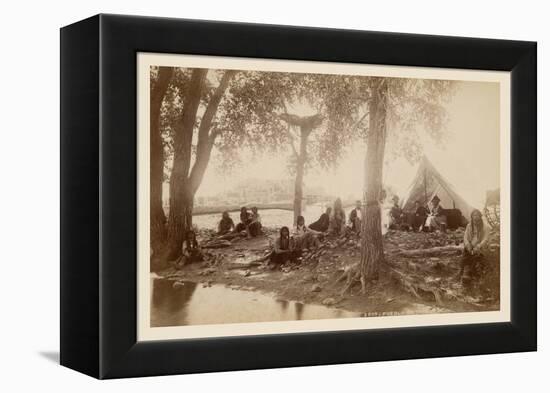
184, 180
181, 194
372, 248
301, 159
157, 216
306, 124
180, 219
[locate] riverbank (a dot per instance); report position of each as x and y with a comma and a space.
413, 280
201, 210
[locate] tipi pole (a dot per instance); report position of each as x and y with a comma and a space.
425, 188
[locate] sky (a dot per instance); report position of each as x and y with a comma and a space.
469, 159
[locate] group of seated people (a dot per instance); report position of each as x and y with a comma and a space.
251, 222
289, 245
334, 219
422, 218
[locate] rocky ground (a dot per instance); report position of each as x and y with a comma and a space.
418, 275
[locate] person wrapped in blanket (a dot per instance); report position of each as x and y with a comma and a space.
338, 218
322, 224
355, 217
436, 220
284, 249
304, 237
244, 220
419, 218
396, 214
226, 224
191, 251
476, 237
254, 227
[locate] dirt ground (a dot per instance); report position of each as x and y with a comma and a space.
419, 274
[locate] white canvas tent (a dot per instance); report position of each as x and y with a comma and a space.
429, 182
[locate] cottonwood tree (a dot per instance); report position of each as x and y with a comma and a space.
203, 109
305, 125
160, 82
193, 133
312, 114
399, 109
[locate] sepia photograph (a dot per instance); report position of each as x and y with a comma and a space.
300, 195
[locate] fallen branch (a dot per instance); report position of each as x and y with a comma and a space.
234, 266
217, 244
256, 262
433, 251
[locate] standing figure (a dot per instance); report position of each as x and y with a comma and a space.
355, 217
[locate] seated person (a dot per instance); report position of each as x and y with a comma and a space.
226, 224
284, 249
355, 217
455, 218
419, 217
322, 224
338, 218
245, 220
254, 227
304, 237
476, 236
396, 214
191, 252
436, 220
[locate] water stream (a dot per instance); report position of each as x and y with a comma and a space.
192, 304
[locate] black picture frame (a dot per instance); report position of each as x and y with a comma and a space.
98, 196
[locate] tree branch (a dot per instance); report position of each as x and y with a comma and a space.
184, 129
205, 138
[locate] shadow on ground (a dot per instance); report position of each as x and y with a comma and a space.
52, 356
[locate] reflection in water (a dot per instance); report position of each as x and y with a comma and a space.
299, 308
192, 304
283, 304
169, 302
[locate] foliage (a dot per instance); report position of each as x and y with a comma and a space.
258, 101
249, 114
416, 106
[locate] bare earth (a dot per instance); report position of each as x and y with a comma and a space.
418, 276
